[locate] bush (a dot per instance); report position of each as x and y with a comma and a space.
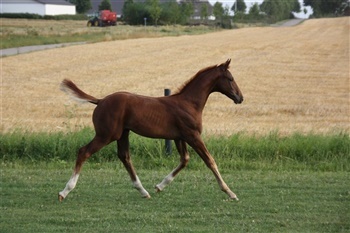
71, 17
48, 17
239, 151
251, 18
20, 16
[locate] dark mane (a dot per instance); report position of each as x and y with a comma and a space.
202, 71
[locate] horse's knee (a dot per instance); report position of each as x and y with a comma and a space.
81, 151
82, 154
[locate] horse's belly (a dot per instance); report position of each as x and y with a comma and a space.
154, 124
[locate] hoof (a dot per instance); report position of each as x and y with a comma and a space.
147, 196
158, 190
231, 199
60, 198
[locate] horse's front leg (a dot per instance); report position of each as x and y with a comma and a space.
198, 145
124, 156
184, 158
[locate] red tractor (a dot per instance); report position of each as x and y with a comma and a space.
104, 18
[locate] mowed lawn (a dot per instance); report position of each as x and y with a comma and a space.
104, 201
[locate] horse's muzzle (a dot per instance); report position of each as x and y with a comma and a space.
238, 99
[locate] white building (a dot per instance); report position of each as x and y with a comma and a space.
40, 7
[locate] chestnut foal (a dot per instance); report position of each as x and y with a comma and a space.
177, 117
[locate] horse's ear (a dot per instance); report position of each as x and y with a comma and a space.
226, 64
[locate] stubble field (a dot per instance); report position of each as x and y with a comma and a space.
294, 79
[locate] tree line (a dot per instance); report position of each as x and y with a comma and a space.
136, 12
154, 12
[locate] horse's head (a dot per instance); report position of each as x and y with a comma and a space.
227, 85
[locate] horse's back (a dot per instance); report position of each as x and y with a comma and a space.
148, 116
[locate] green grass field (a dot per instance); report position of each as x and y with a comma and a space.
296, 183
104, 201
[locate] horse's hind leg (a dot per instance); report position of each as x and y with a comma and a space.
124, 156
84, 153
184, 158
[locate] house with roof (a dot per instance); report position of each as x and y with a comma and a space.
40, 7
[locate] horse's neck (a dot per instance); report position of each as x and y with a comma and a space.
198, 90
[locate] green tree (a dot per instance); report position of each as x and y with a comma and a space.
171, 12
254, 11
82, 6
134, 12
325, 7
222, 14
241, 6
154, 10
204, 11
280, 10
227, 19
127, 4
187, 10
218, 11
105, 5
126, 11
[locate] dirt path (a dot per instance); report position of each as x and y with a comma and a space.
290, 23
27, 49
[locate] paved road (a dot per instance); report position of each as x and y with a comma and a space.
27, 49
289, 23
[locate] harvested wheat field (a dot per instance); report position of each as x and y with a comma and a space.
294, 79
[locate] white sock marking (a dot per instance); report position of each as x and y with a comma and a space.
167, 180
70, 185
137, 184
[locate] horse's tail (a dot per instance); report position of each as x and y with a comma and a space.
71, 89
